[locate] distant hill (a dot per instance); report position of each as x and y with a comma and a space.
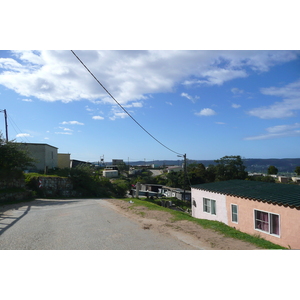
287, 165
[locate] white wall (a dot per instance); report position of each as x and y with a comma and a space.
197, 212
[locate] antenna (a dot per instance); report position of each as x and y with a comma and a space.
6, 127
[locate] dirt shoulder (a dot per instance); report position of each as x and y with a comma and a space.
186, 231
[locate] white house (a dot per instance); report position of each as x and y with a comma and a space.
209, 205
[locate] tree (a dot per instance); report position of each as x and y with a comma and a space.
272, 170
297, 170
230, 167
13, 158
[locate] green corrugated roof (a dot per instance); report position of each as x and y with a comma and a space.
282, 194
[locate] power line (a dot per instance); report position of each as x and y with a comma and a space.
123, 107
12, 122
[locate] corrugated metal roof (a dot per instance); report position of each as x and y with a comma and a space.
276, 193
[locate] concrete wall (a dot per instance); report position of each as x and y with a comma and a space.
289, 220
197, 211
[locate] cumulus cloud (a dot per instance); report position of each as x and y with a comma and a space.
206, 112
97, 118
71, 123
130, 76
284, 109
278, 132
27, 100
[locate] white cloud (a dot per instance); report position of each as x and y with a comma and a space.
169, 103
97, 118
65, 129
130, 76
65, 132
118, 114
284, 109
278, 132
27, 100
23, 135
206, 112
237, 91
71, 123
193, 99
235, 105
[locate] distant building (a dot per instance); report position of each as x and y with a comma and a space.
63, 160
110, 173
116, 162
74, 163
174, 169
44, 154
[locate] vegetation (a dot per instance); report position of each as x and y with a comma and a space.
297, 170
13, 159
272, 170
86, 180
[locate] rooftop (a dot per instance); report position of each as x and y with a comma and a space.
276, 193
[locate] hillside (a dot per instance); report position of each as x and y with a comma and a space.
253, 164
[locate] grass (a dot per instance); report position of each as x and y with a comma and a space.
214, 225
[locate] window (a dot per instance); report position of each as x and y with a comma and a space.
209, 206
266, 222
234, 213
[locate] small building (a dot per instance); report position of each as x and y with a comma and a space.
174, 169
116, 162
44, 154
74, 163
271, 210
63, 160
283, 179
110, 173
178, 193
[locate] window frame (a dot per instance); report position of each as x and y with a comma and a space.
207, 207
237, 213
269, 222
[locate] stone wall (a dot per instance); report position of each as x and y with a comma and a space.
14, 196
12, 183
55, 186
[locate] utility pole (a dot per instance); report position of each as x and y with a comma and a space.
6, 127
184, 170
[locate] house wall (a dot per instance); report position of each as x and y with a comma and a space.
289, 220
45, 155
63, 160
197, 212
110, 173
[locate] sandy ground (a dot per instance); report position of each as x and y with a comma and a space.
186, 231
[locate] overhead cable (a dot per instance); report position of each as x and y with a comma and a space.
122, 106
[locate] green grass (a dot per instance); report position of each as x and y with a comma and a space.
214, 225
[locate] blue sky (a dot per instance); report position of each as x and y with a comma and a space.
206, 104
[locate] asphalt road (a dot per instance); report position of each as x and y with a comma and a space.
78, 224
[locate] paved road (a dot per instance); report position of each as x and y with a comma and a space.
79, 224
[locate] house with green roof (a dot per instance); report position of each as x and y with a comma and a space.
271, 210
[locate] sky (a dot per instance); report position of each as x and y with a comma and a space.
205, 104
